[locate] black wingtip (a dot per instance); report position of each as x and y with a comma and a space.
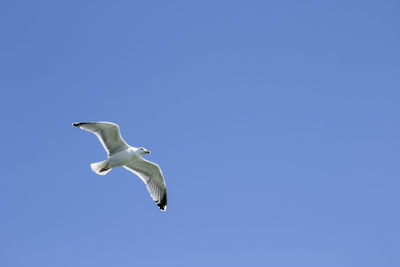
77, 124
162, 204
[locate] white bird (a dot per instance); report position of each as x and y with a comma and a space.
129, 157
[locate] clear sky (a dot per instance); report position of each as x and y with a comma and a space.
276, 124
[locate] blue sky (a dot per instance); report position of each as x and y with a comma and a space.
276, 125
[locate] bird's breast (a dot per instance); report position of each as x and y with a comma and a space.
121, 158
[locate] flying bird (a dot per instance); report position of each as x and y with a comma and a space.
129, 157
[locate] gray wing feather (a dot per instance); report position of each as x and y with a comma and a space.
108, 134
150, 173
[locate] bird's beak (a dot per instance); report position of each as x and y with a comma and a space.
147, 152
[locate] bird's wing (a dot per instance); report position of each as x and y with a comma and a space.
108, 134
151, 175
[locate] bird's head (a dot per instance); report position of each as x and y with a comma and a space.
143, 151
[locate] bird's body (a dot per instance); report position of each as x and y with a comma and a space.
121, 154
123, 157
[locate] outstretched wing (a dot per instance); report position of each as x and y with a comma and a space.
108, 134
151, 175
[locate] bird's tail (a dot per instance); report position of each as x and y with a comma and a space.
100, 167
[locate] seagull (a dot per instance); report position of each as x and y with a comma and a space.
129, 157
